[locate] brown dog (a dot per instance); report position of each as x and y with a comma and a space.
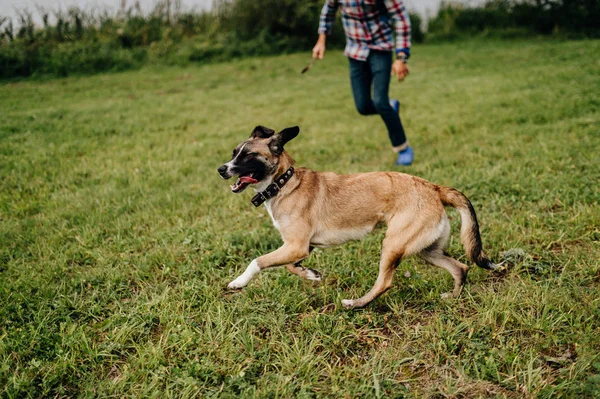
313, 209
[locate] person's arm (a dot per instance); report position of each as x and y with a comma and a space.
401, 20
325, 26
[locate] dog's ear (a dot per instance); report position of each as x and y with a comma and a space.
281, 138
261, 132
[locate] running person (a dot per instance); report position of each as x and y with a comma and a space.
370, 49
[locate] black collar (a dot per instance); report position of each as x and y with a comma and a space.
273, 188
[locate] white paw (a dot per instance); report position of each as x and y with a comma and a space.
245, 277
347, 303
312, 275
447, 295
236, 284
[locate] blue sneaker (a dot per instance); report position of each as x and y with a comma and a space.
405, 157
395, 104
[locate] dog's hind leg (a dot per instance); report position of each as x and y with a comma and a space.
391, 254
403, 237
438, 257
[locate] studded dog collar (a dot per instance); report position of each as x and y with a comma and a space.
273, 188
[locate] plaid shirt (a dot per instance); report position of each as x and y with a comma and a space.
367, 27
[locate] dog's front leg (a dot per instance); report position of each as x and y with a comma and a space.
288, 253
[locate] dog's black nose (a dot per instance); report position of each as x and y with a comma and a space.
222, 170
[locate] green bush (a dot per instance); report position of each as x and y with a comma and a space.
478, 20
418, 35
290, 23
579, 17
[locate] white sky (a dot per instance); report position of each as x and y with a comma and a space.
7, 7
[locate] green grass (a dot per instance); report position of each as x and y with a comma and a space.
118, 236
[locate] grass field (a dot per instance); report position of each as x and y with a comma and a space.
118, 236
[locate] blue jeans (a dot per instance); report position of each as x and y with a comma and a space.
376, 71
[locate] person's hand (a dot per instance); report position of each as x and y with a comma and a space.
399, 68
319, 49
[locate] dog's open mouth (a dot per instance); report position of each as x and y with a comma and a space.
243, 182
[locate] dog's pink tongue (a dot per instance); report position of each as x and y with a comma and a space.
248, 180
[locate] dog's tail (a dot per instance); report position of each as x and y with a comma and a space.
469, 232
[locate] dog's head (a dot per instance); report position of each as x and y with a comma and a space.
257, 159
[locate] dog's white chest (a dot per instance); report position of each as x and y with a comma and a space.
275, 223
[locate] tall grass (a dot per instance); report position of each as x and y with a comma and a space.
76, 41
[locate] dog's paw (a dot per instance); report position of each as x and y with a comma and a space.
313, 275
348, 303
236, 285
447, 295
